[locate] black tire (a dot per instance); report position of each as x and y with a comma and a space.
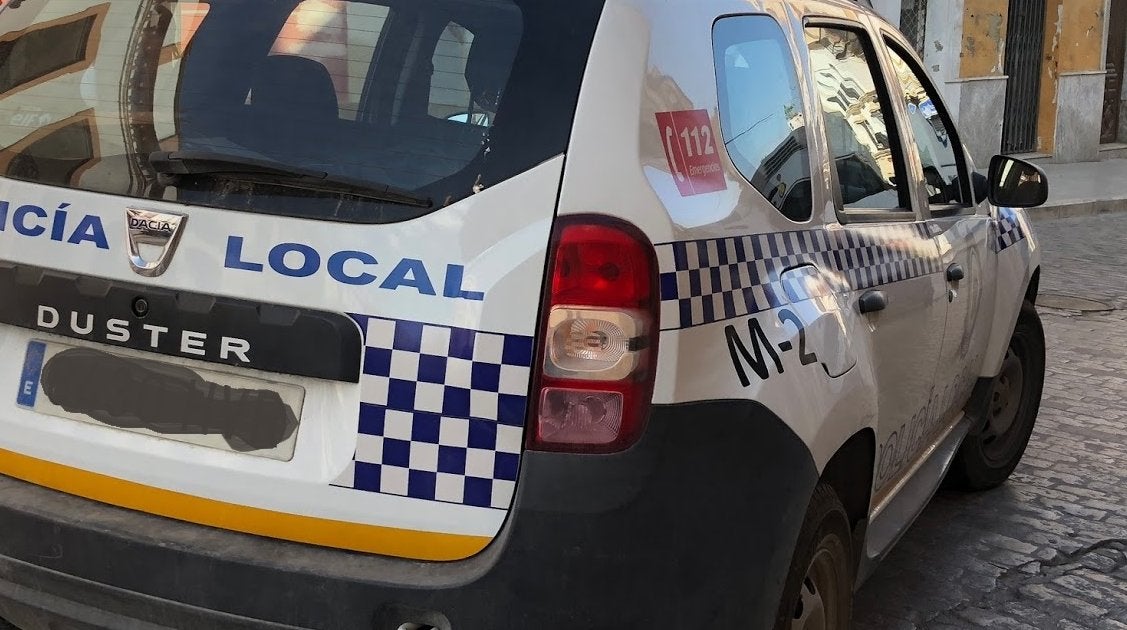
819, 587
991, 452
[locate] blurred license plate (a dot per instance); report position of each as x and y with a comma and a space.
168, 400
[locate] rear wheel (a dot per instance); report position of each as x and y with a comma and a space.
989, 455
819, 588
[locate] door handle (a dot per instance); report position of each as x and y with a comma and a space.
872, 301
955, 273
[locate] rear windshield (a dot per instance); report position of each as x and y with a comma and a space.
329, 109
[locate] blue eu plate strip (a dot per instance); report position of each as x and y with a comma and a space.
29, 379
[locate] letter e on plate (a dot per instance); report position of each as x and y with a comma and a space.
691, 146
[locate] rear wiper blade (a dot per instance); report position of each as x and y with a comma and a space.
210, 163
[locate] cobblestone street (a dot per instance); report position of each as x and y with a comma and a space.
1048, 549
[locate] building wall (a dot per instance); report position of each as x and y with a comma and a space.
1050, 75
981, 76
1080, 86
984, 38
965, 53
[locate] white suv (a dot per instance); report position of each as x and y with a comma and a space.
489, 313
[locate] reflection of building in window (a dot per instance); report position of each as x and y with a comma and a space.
852, 108
340, 35
57, 154
45, 51
918, 101
186, 21
795, 118
449, 91
317, 29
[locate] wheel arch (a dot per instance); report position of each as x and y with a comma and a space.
850, 474
1034, 288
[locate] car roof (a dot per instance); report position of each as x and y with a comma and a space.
862, 6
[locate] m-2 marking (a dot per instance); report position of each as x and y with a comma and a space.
759, 350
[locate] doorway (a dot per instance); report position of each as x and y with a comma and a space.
1116, 54
1025, 45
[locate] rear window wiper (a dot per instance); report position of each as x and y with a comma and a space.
177, 164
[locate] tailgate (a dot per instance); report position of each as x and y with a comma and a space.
280, 278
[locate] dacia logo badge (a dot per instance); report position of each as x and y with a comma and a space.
152, 237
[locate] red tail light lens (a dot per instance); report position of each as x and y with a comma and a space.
598, 338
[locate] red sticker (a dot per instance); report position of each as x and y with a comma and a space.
690, 146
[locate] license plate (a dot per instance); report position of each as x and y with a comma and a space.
161, 398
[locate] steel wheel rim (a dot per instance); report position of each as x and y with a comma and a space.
1003, 428
817, 605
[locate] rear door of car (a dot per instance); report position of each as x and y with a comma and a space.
276, 267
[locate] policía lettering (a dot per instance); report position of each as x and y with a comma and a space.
121, 331
59, 224
353, 268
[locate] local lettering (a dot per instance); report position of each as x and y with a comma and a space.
123, 331
353, 268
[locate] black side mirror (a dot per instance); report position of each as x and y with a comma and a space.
1015, 183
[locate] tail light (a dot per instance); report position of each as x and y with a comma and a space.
598, 338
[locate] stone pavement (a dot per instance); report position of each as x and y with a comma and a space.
1049, 548
1084, 189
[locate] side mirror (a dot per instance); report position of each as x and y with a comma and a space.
1015, 183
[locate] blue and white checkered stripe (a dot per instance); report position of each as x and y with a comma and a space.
1011, 228
713, 280
442, 413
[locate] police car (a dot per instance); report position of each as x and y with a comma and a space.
489, 313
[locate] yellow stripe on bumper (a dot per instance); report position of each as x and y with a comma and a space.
389, 541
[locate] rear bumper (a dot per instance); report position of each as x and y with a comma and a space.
692, 527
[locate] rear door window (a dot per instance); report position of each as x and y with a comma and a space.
343, 110
859, 121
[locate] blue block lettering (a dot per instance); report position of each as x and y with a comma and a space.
32, 369
234, 258
455, 275
3, 215
310, 264
339, 259
89, 230
19, 220
58, 225
409, 273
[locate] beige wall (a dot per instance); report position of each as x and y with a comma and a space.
1074, 32
1081, 35
984, 36
1050, 74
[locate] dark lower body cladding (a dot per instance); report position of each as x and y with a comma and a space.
693, 527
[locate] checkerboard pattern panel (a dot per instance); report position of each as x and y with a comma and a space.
714, 280
1011, 228
442, 413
